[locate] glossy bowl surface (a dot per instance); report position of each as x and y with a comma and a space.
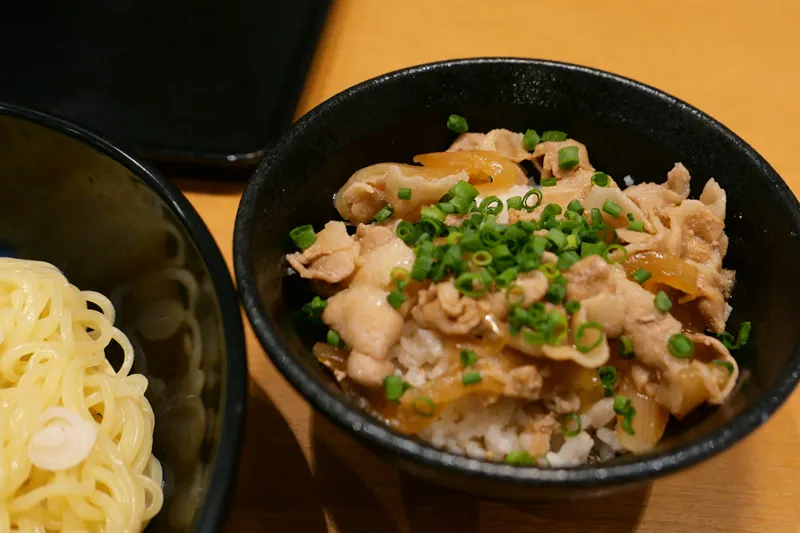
629, 129
115, 226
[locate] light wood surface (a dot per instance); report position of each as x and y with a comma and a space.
737, 60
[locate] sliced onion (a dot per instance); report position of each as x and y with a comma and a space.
63, 441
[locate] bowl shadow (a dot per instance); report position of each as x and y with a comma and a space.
360, 490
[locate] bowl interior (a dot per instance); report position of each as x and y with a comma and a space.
107, 229
629, 129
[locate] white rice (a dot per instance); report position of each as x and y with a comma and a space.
628, 181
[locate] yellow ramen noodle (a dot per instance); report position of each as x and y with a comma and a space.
77, 436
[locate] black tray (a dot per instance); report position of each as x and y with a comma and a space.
178, 81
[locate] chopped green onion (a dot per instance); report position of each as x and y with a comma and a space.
314, 308
468, 358
557, 237
396, 299
580, 333
622, 405
334, 339
515, 202
454, 237
471, 240
481, 258
625, 347
568, 157
303, 236
384, 213
608, 378
553, 136
423, 262
492, 205
530, 140
662, 302
597, 218
403, 193
551, 210
471, 378
636, 225
549, 270
612, 248
423, 406
612, 208
433, 212
567, 259
464, 190
727, 365
505, 279
557, 291
571, 424
395, 387
400, 277
465, 283
641, 275
446, 207
406, 231
572, 241
741, 339
519, 458
549, 182
572, 306
593, 248
600, 179
515, 294
533, 192
626, 422
457, 123
575, 206
680, 346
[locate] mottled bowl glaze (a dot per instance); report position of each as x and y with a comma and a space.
630, 129
115, 226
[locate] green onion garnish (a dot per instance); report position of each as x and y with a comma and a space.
727, 365
641, 275
568, 157
662, 302
600, 179
608, 378
433, 212
468, 358
471, 378
314, 308
557, 237
575, 206
572, 306
504, 280
527, 205
481, 258
334, 339
567, 259
554, 136
612, 248
384, 213
423, 262
492, 205
400, 277
571, 424
597, 218
741, 339
395, 387
303, 236
557, 291
515, 202
530, 140
407, 232
549, 182
423, 406
457, 124
612, 208
549, 270
454, 237
680, 346
519, 458
625, 347
396, 299
404, 193
636, 225
580, 333
624, 408
465, 283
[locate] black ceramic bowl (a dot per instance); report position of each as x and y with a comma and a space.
629, 129
114, 226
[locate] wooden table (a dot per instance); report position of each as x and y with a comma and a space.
735, 59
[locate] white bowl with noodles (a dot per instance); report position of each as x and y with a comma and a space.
122, 366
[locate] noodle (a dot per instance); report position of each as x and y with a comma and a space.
76, 436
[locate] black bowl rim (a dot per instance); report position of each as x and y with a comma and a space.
375, 433
226, 462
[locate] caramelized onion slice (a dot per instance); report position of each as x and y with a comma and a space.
648, 423
668, 270
488, 171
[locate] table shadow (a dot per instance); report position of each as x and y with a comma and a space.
263, 499
360, 490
